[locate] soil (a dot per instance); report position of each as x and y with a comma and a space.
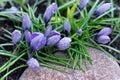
14, 75
117, 46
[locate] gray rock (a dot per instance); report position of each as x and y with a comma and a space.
103, 68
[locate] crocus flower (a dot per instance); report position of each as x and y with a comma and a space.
12, 9
82, 4
26, 22
54, 33
79, 31
103, 39
50, 11
105, 31
16, 36
27, 36
103, 8
53, 40
67, 26
102, 36
33, 63
38, 41
48, 30
64, 43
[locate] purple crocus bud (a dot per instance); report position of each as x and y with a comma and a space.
103, 8
48, 30
105, 31
64, 43
26, 22
53, 40
27, 36
82, 4
35, 34
33, 63
54, 33
67, 26
79, 31
50, 11
38, 41
16, 36
103, 39
13, 8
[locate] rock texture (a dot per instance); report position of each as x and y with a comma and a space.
103, 68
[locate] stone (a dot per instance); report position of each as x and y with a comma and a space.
102, 68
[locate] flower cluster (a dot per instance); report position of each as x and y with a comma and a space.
38, 40
102, 36
100, 10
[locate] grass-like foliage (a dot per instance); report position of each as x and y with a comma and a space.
82, 27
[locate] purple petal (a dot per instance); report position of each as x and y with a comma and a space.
67, 26
82, 4
26, 22
43, 42
48, 30
38, 42
103, 8
13, 8
16, 36
27, 36
33, 63
64, 43
54, 33
50, 11
36, 34
105, 31
79, 31
103, 39
53, 40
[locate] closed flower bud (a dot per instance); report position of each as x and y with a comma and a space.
33, 63
102, 9
105, 31
38, 41
26, 22
82, 4
53, 40
35, 34
13, 8
67, 26
54, 33
16, 36
27, 36
79, 31
50, 11
103, 39
64, 43
48, 30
